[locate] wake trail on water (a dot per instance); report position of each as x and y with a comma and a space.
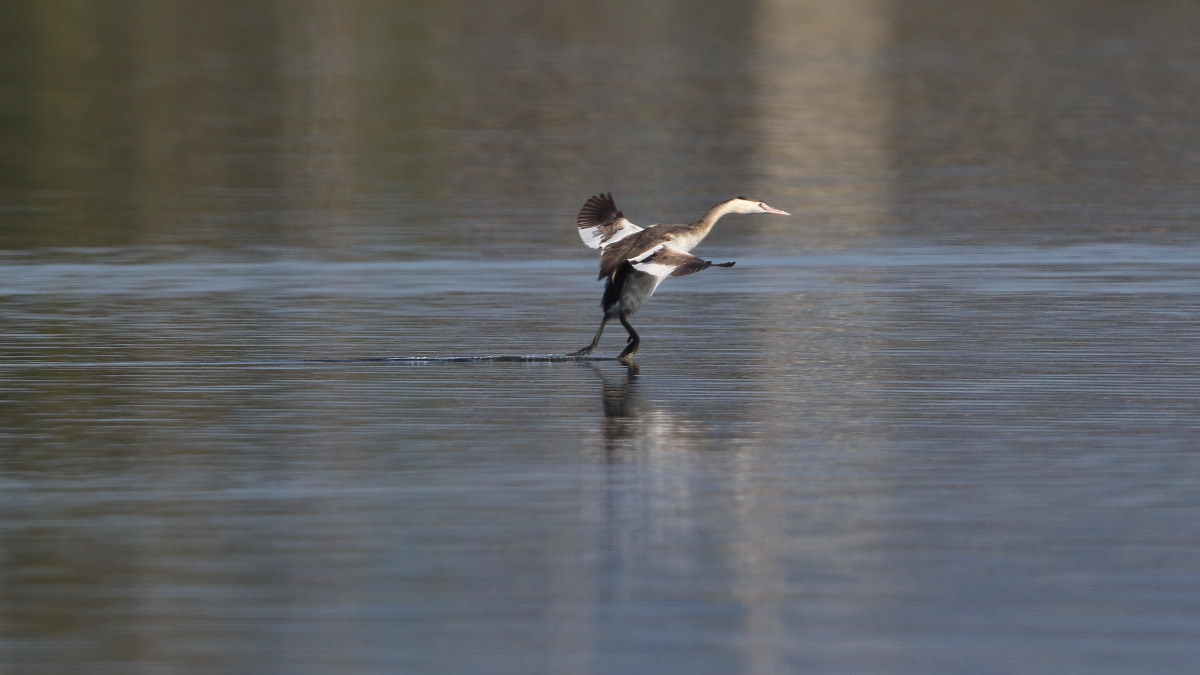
273, 363
491, 358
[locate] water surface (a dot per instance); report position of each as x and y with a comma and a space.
941, 419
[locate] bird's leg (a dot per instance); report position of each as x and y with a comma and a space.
631, 345
595, 340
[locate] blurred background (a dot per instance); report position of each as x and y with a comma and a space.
942, 418
452, 127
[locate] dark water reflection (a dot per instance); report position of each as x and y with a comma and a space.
943, 419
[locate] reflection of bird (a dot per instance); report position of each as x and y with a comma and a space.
634, 260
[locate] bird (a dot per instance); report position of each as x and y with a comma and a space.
635, 260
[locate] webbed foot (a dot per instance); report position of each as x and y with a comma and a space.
626, 355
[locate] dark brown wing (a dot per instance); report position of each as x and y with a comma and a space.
600, 222
613, 255
663, 261
598, 210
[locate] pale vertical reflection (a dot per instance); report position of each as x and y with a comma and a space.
822, 112
822, 116
320, 113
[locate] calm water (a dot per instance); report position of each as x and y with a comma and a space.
942, 419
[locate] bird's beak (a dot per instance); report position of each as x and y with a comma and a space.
771, 209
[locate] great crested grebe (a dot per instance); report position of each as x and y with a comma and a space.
635, 260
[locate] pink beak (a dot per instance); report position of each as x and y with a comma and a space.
771, 209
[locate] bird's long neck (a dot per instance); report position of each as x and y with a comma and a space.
705, 225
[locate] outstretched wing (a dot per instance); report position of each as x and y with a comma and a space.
601, 223
663, 261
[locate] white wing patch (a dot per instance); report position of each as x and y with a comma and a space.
599, 236
656, 265
665, 260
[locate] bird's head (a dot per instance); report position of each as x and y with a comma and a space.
747, 205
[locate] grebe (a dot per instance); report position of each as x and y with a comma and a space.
635, 260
